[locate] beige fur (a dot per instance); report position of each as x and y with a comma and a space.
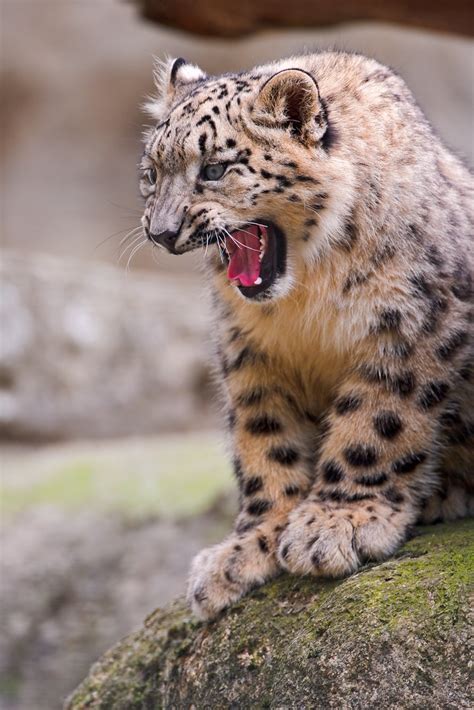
348, 384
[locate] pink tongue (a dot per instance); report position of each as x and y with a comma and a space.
244, 251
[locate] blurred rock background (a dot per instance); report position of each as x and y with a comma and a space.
113, 474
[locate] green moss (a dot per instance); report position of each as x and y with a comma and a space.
68, 486
392, 635
174, 476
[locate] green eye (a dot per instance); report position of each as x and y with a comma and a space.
151, 176
213, 172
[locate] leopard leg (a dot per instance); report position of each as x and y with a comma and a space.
273, 473
454, 498
379, 460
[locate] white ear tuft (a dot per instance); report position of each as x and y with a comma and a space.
186, 73
161, 73
155, 107
170, 76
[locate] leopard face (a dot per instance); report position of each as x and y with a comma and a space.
239, 163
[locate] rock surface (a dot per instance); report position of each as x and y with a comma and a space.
394, 635
90, 351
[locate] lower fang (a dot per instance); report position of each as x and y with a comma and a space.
258, 281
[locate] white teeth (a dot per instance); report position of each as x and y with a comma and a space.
258, 281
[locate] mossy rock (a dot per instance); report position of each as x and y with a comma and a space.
395, 635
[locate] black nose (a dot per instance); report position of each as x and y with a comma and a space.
166, 239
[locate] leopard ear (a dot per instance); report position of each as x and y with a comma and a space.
290, 100
172, 76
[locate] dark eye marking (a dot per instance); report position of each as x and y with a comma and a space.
202, 143
207, 119
213, 171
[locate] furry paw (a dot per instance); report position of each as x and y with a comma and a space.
221, 574
326, 540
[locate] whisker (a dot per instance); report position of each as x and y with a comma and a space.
132, 254
239, 221
239, 244
131, 233
132, 239
134, 210
220, 245
111, 236
154, 243
154, 253
247, 232
129, 246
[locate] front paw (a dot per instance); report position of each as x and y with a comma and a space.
221, 574
334, 541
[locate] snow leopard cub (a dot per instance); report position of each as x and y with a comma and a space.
341, 274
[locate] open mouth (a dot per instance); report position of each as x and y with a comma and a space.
256, 256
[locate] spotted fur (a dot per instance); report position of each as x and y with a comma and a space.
348, 381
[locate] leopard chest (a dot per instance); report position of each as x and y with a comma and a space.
304, 350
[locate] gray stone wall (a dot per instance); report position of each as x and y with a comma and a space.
90, 350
